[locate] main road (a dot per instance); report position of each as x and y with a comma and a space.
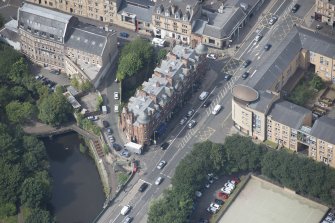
209, 127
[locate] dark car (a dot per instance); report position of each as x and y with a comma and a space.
218, 201
207, 103
245, 75
267, 47
143, 187
117, 147
227, 77
246, 63
124, 34
295, 8
105, 124
164, 146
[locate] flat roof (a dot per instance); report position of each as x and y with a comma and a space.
263, 202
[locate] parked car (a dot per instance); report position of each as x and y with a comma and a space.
190, 113
109, 131
116, 108
161, 164
191, 124
267, 47
183, 120
246, 63
218, 201
164, 145
124, 34
273, 20
198, 194
216, 109
143, 187
258, 37
227, 77
295, 8
116, 95
125, 153
117, 147
212, 210
105, 124
245, 75
212, 56
111, 138
92, 118
159, 180
207, 103
215, 205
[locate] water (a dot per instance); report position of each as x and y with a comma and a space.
77, 195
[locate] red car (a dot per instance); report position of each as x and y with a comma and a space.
236, 180
222, 195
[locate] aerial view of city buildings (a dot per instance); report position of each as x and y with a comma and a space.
121, 111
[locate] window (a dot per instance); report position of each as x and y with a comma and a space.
184, 30
212, 41
321, 60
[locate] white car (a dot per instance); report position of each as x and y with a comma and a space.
93, 118
215, 205
116, 95
183, 120
116, 108
258, 38
161, 164
191, 124
273, 20
216, 109
159, 181
125, 209
212, 56
190, 113
212, 210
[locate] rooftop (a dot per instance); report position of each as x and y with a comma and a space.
289, 114
142, 9
245, 93
183, 8
324, 129
263, 104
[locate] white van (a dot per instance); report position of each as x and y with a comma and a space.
216, 109
125, 209
158, 42
116, 108
203, 95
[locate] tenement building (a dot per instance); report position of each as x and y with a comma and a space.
155, 102
325, 11
259, 111
59, 41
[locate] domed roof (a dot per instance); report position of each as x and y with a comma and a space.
201, 49
143, 118
245, 93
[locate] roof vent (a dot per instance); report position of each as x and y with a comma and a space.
244, 6
93, 43
86, 40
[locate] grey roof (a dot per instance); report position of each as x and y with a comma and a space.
273, 66
142, 9
264, 102
87, 38
289, 114
199, 26
201, 49
324, 129
317, 43
181, 7
44, 22
222, 25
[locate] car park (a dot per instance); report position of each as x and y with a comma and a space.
295, 8
191, 124
128, 219
258, 37
190, 113
183, 120
212, 56
124, 34
246, 63
143, 187
207, 103
116, 95
125, 209
159, 180
267, 47
245, 75
161, 164
273, 20
164, 145
227, 77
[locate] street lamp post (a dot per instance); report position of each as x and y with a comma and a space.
155, 137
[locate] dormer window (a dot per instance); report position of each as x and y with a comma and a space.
29, 28
160, 9
178, 14
52, 36
167, 12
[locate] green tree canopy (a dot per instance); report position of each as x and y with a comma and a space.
39, 216
18, 112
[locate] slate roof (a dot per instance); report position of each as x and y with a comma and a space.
324, 129
42, 20
87, 38
222, 25
142, 9
180, 5
264, 102
289, 114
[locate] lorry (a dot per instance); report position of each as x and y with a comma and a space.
134, 147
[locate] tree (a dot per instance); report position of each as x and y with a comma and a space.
19, 93
7, 209
39, 216
317, 82
35, 156
54, 109
129, 65
19, 112
10, 182
161, 55
36, 191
